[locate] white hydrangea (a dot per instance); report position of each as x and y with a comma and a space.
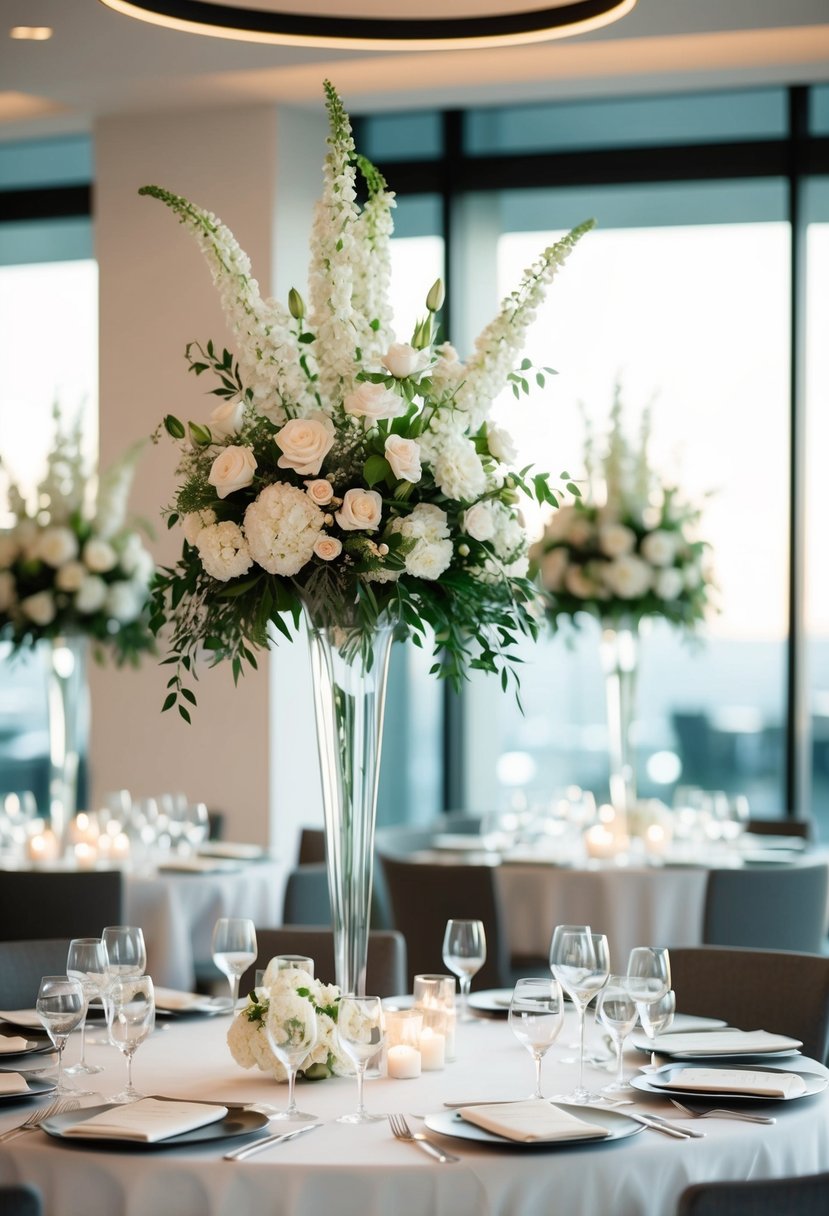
458, 470
628, 577
194, 521
432, 552
224, 551
124, 602
281, 527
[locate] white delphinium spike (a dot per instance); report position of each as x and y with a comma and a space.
499, 345
372, 269
63, 487
616, 457
642, 474
113, 492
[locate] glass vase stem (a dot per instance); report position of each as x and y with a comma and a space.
619, 653
68, 703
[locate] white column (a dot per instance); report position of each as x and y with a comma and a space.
259, 170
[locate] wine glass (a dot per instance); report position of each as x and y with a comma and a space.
580, 961
86, 962
464, 953
234, 949
616, 1010
126, 954
61, 1008
196, 825
536, 1016
648, 973
292, 1032
131, 1018
360, 1033
655, 1017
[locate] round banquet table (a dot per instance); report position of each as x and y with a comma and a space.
363, 1171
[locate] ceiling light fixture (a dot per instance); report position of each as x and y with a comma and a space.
509, 23
31, 33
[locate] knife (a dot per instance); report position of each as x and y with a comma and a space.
240, 1153
679, 1133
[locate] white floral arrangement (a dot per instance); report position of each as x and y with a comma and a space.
70, 563
343, 470
281, 1001
628, 547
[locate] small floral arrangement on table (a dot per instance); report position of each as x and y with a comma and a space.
283, 996
628, 547
344, 470
70, 563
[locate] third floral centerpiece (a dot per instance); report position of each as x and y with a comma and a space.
356, 478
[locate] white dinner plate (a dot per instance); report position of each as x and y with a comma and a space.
491, 1000
37, 1086
35, 1043
235, 1123
451, 1123
649, 1084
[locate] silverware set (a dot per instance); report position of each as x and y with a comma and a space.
55, 1107
402, 1131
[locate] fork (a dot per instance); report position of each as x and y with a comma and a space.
56, 1107
719, 1113
402, 1131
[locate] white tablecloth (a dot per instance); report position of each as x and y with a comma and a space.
178, 911
363, 1171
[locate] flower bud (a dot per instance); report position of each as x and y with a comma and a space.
296, 304
435, 298
422, 336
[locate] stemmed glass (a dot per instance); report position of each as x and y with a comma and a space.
648, 973
616, 1010
61, 1008
360, 1033
131, 1018
234, 950
292, 1035
536, 1016
580, 961
464, 953
656, 1017
126, 954
86, 962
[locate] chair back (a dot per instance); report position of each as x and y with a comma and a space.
22, 966
803, 829
778, 991
311, 846
41, 904
424, 896
807, 1196
306, 900
385, 971
772, 908
19, 1199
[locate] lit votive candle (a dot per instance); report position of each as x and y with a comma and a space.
600, 842
656, 840
86, 855
42, 848
432, 1050
120, 847
82, 829
403, 1062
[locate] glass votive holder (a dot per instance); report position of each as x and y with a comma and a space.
433, 1040
403, 1030
299, 961
436, 994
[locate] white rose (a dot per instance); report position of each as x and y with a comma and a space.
233, 469
578, 584
501, 444
123, 602
404, 457
581, 532
9, 548
373, 402
56, 546
328, 547
361, 510
478, 523
320, 491
226, 419
70, 576
7, 590
553, 568
628, 576
615, 540
39, 608
305, 442
91, 595
403, 360
194, 521
659, 548
669, 584
99, 555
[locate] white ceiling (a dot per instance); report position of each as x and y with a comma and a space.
100, 62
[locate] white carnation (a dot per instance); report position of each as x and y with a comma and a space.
501, 444
282, 526
429, 559
458, 470
628, 577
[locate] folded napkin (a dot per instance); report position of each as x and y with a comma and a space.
231, 851
179, 1002
12, 1044
531, 1121
12, 1083
198, 865
735, 1081
147, 1120
723, 1043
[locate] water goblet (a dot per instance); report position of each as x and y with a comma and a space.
86, 962
464, 953
580, 961
617, 1012
130, 1006
655, 1017
61, 1008
648, 973
234, 949
360, 1034
292, 1033
536, 1016
574, 1044
126, 953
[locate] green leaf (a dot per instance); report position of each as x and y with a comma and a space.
376, 469
169, 701
172, 519
174, 427
184, 714
188, 696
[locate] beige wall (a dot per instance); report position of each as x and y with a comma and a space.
259, 169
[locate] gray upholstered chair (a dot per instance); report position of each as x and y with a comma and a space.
23, 964
19, 1199
770, 908
385, 972
807, 1196
776, 990
306, 900
43, 904
802, 829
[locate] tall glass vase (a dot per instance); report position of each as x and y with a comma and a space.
620, 653
349, 682
68, 700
